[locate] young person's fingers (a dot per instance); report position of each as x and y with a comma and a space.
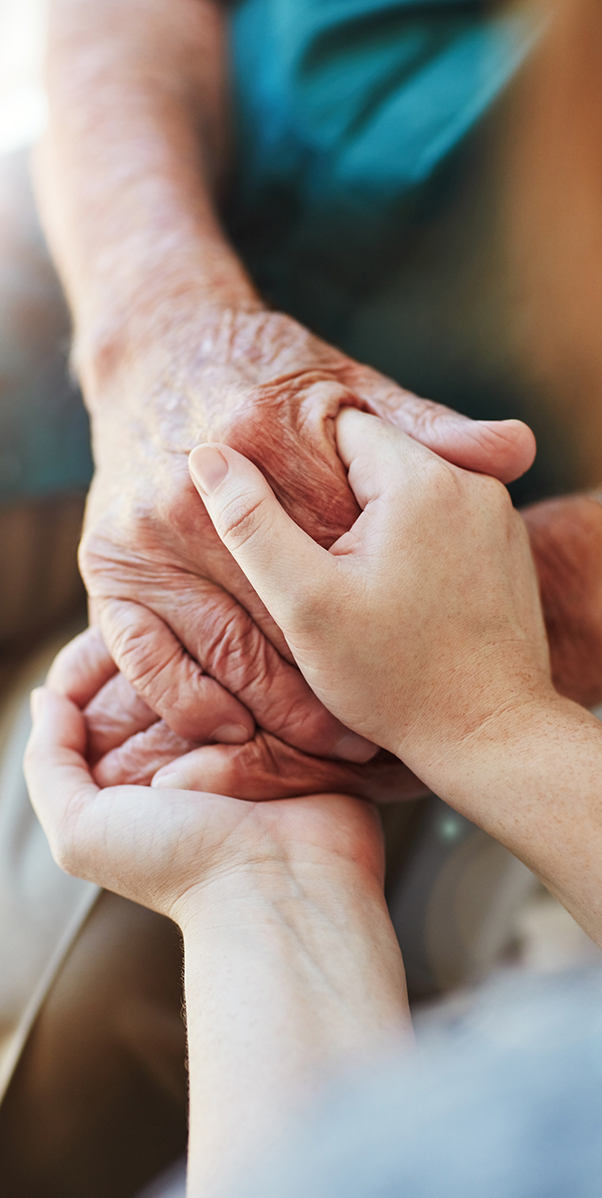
57, 776
286, 567
380, 458
127, 838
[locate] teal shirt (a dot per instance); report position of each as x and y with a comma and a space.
364, 198
361, 203
347, 113
360, 101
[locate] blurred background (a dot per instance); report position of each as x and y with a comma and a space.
44, 456
492, 304
482, 289
22, 104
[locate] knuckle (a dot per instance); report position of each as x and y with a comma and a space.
311, 610
149, 660
242, 519
150, 670
443, 483
422, 416
234, 649
495, 495
87, 554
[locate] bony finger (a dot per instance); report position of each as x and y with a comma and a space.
281, 562
82, 667
502, 448
154, 661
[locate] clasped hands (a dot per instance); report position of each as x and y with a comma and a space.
421, 630
418, 629
211, 674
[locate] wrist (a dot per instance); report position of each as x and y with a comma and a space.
185, 378
497, 768
290, 973
166, 317
279, 894
456, 762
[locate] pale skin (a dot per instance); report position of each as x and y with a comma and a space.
174, 346
292, 968
467, 700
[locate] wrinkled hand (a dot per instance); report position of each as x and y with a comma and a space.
127, 742
177, 615
566, 542
159, 847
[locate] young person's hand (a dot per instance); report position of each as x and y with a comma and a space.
292, 967
161, 848
421, 625
421, 628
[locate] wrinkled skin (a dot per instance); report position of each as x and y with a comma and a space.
126, 740
566, 541
177, 615
128, 743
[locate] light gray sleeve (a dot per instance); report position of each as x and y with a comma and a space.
503, 1102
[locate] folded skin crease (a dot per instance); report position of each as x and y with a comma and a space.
126, 743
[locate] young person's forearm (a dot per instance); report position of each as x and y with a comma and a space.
535, 784
135, 149
285, 984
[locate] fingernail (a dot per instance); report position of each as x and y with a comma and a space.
231, 734
208, 467
36, 701
169, 781
352, 747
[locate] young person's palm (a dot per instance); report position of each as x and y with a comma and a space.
166, 848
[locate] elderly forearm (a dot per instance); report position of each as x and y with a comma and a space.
135, 149
287, 981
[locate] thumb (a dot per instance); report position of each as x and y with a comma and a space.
503, 448
283, 564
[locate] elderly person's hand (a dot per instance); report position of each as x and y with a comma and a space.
126, 742
173, 345
292, 967
566, 542
176, 613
